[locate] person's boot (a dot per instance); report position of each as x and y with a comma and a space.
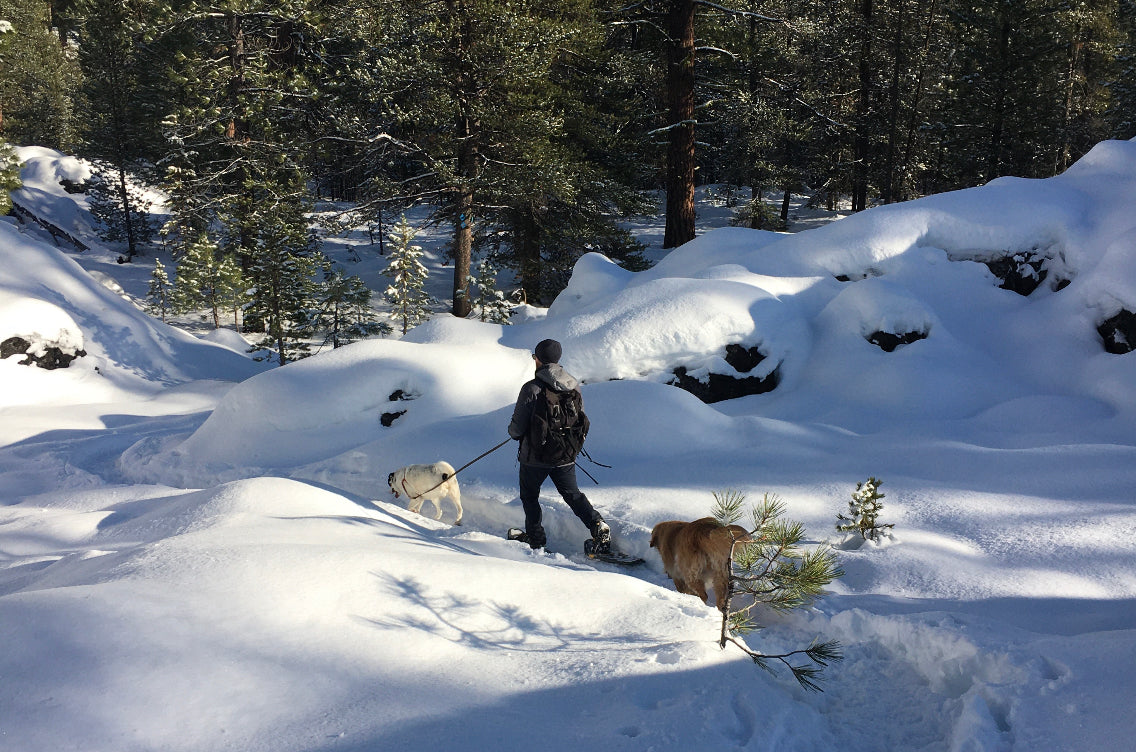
601, 537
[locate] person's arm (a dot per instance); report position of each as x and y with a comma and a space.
522, 413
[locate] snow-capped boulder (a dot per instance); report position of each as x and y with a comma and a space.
1119, 332
45, 334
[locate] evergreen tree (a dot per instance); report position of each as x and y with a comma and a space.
208, 279
38, 76
160, 294
408, 278
864, 511
769, 570
9, 176
345, 312
119, 115
284, 287
484, 107
488, 302
121, 209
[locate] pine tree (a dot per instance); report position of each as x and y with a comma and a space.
770, 571
119, 127
408, 278
345, 310
284, 287
121, 209
9, 176
489, 110
489, 302
38, 75
208, 279
160, 294
864, 511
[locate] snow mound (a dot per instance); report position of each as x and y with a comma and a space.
42, 324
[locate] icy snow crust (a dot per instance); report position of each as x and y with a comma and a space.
198, 554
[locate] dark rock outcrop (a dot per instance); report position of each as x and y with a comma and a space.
1119, 332
387, 419
1021, 273
888, 341
720, 386
50, 359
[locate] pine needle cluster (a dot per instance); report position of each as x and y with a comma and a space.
771, 570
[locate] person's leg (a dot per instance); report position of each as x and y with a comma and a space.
531, 477
565, 479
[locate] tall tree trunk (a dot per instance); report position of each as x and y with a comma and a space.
898, 64
463, 219
468, 131
1065, 153
1001, 84
680, 151
127, 214
917, 97
862, 142
526, 241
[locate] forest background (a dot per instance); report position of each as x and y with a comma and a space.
533, 128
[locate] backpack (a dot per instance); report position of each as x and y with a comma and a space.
558, 427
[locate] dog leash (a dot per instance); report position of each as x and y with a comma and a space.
463, 467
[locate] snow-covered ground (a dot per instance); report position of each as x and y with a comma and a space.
199, 552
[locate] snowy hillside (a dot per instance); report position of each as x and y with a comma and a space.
197, 553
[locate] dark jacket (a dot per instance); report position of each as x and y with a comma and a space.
552, 376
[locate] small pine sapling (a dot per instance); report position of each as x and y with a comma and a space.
488, 301
158, 296
770, 570
407, 293
864, 511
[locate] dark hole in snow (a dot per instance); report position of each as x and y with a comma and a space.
52, 357
398, 395
388, 418
1119, 332
888, 341
743, 359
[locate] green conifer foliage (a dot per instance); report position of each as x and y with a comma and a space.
284, 286
864, 511
207, 279
160, 293
771, 571
407, 291
345, 312
9, 176
488, 302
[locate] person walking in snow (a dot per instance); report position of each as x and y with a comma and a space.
550, 424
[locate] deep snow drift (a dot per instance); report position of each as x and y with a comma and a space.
192, 563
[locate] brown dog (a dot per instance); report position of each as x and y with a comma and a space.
696, 555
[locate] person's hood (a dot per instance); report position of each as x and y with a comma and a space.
557, 378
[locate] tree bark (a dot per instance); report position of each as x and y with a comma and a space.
1002, 82
527, 247
898, 64
862, 142
680, 151
468, 132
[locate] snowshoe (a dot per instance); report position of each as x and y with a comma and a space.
516, 534
610, 555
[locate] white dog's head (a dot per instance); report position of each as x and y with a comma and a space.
390, 482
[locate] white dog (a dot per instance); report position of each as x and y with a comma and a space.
418, 483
